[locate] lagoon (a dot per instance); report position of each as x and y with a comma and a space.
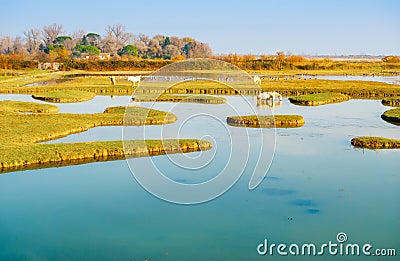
317, 186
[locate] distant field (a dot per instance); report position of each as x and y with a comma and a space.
100, 84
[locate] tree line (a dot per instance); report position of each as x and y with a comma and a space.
52, 43
122, 50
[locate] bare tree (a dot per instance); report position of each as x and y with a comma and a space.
108, 45
78, 35
18, 45
69, 44
50, 32
171, 51
144, 38
178, 42
32, 40
155, 49
116, 38
6, 45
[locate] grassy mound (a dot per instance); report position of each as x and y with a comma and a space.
375, 143
210, 99
392, 116
316, 99
19, 134
64, 96
256, 121
26, 107
392, 101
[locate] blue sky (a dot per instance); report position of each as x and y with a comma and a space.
251, 26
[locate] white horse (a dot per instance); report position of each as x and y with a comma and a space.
135, 80
276, 95
257, 80
266, 96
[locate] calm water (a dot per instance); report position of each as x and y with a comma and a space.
385, 79
317, 186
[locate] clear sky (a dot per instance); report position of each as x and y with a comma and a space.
332, 27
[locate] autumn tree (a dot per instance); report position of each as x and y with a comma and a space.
50, 33
6, 45
32, 37
116, 38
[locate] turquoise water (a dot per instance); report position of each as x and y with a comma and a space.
317, 186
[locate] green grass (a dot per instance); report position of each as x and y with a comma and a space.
17, 83
31, 128
200, 98
64, 96
46, 155
355, 89
98, 83
20, 134
318, 99
375, 143
392, 101
392, 116
198, 87
258, 121
26, 107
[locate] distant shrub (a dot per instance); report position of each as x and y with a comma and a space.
391, 59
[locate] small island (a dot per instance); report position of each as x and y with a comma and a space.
391, 101
368, 142
66, 96
317, 99
392, 116
270, 121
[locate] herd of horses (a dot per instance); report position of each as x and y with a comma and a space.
263, 97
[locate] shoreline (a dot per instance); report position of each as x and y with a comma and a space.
103, 151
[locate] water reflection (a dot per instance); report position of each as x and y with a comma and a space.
269, 104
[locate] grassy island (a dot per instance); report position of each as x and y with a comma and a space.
392, 101
257, 121
316, 99
21, 132
375, 143
392, 116
64, 96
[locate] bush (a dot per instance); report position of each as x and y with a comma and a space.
391, 59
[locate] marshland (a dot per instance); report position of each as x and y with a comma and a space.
94, 123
